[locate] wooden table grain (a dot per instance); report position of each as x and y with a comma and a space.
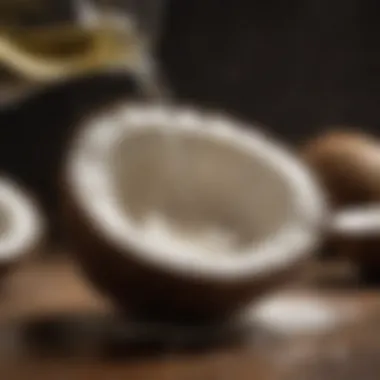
52, 289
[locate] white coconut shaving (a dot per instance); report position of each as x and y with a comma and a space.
297, 315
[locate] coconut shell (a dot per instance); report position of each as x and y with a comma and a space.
145, 289
147, 293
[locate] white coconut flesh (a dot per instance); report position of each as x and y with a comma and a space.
292, 314
194, 192
21, 225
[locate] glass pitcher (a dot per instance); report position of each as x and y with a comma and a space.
43, 41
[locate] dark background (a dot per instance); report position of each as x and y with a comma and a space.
295, 65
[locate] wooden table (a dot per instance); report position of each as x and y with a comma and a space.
46, 309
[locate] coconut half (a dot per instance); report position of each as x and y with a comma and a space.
187, 197
21, 225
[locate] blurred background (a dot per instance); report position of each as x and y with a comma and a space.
293, 69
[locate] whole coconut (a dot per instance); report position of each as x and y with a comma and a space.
348, 165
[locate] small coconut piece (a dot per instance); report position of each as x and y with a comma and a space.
21, 225
348, 164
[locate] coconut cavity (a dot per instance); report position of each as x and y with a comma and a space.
195, 193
